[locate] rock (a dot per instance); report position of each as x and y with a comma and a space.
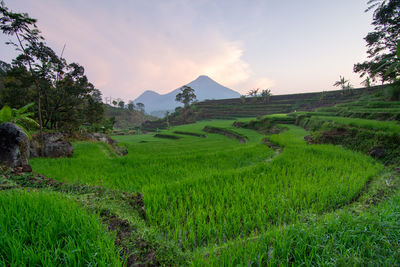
102, 138
14, 145
34, 148
57, 149
54, 146
377, 152
121, 151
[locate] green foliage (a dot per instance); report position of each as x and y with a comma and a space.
64, 97
383, 42
266, 94
393, 91
124, 118
49, 230
19, 117
186, 96
140, 106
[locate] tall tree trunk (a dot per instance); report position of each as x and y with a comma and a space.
37, 90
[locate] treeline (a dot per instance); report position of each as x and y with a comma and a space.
63, 96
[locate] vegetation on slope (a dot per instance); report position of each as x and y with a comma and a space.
196, 212
149, 157
125, 118
48, 229
227, 203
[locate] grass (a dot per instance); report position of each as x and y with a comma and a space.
225, 203
343, 238
389, 126
47, 229
156, 161
213, 209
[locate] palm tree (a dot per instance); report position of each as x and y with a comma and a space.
266, 94
342, 83
253, 92
367, 82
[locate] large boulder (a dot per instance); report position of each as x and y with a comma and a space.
54, 145
14, 146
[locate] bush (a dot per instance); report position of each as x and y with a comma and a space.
393, 92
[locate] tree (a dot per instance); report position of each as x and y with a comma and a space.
253, 92
341, 82
266, 94
167, 113
63, 95
344, 84
367, 82
243, 99
186, 96
140, 106
28, 38
131, 106
121, 104
115, 103
383, 41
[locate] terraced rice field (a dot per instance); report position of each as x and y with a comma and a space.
209, 193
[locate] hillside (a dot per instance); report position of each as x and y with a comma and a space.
205, 88
125, 118
256, 106
354, 103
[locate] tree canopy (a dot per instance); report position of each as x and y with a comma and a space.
186, 96
382, 43
63, 96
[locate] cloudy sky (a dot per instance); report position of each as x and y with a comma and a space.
128, 47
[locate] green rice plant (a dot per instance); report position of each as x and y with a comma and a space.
46, 229
338, 239
154, 160
390, 126
212, 209
215, 192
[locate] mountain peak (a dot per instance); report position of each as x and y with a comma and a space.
204, 86
203, 77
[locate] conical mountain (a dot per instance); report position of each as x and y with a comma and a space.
204, 87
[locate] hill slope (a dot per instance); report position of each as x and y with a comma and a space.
205, 88
256, 106
125, 118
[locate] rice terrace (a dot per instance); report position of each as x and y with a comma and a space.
202, 175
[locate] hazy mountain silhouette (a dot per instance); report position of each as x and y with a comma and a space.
205, 88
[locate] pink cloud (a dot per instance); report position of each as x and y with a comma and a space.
124, 59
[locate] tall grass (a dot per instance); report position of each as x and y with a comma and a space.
205, 192
213, 209
45, 229
156, 161
368, 239
389, 126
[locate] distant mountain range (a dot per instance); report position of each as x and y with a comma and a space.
205, 88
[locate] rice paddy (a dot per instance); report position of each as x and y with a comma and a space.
47, 229
212, 193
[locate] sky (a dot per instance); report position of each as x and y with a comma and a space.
128, 47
